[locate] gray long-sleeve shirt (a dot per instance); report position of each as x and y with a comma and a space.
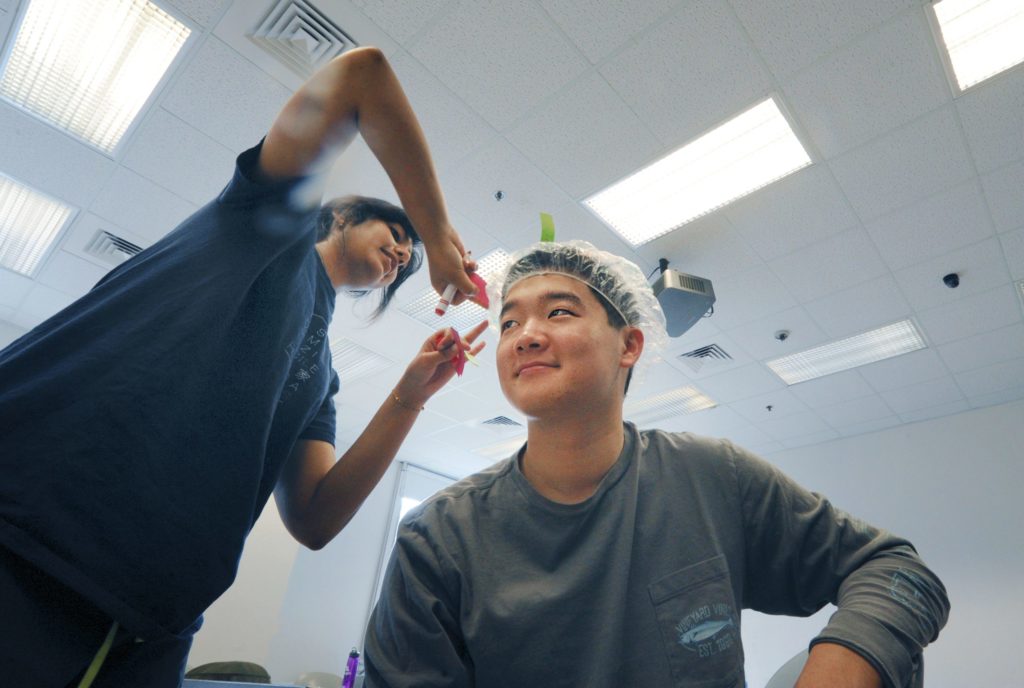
642, 584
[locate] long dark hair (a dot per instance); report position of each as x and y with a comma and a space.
353, 210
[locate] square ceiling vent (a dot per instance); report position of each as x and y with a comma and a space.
301, 36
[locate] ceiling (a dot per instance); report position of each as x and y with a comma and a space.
551, 100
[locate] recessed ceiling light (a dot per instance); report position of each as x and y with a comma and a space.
352, 361
746, 153
89, 66
30, 223
868, 347
466, 314
982, 37
671, 403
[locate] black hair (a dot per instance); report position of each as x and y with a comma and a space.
354, 210
615, 320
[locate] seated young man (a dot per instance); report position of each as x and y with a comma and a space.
601, 555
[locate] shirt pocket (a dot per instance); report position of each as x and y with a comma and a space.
700, 625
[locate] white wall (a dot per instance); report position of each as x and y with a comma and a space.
292, 610
951, 485
954, 487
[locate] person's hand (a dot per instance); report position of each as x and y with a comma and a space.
449, 264
830, 665
432, 367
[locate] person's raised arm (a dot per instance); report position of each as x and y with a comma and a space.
316, 495
358, 92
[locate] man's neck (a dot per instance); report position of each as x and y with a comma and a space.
566, 459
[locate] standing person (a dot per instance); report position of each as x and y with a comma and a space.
602, 555
144, 427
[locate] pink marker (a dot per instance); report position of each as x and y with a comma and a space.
446, 300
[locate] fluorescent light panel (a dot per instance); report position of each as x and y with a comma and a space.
746, 153
982, 37
30, 223
869, 347
466, 314
89, 66
671, 403
352, 361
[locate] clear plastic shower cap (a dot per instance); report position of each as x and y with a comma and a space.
618, 280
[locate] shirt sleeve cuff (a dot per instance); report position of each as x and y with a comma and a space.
872, 641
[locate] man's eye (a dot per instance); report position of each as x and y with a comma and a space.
507, 324
560, 311
396, 235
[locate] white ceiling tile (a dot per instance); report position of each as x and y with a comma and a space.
707, 247
179, 158
226, 97
873, 85
942, 390
749, 436
85, 228
402, 19
593, 153
741, 383
798, 33
43, 157
794, 426
855, 411
792, 213
452, 128
942, 223
984, 349
1002, 191
40, 303
749, 295
203, 12
908, 369
832, 389
981, 267
993, 117
1003, 396
1013, 249
994, 378
905, 165
598, 28
720, 421
13, 288
972, 315
503, 59
70, 274
807, 440
935, 411
757, 337
782, 402
153, 212
527, 192
867, 426
865, 307
700, 54
656, 378
704, 332
831, 265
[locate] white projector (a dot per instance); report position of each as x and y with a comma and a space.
684, 298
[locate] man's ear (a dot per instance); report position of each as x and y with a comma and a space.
633, 346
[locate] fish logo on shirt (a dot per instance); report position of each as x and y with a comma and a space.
708, 629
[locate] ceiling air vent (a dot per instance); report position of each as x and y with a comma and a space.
301, 36
705, 356
111, 248
501, 422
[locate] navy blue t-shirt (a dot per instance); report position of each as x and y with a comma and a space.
143, 428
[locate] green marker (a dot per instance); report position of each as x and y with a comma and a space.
547, 227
